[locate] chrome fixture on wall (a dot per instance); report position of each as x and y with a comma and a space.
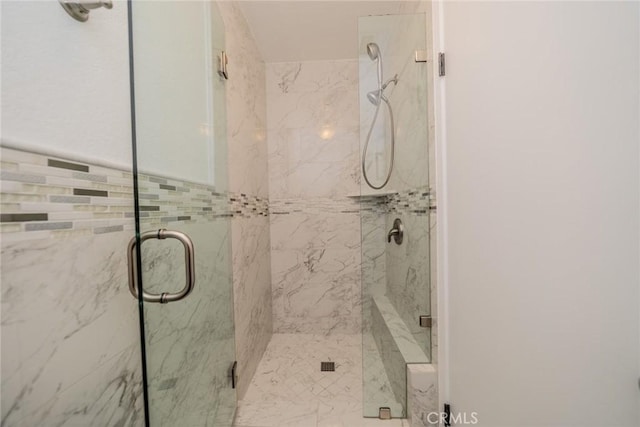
79, 10
375, 96
373, 50
397, 232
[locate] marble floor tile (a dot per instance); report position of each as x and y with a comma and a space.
276, 414
288, 388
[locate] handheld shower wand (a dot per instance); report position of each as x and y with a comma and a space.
373, 50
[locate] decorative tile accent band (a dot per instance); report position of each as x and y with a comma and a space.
54, 196
417, 201
245, 206
167, 200
315, 205
59, 197
46, 196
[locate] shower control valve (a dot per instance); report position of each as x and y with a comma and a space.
397, 232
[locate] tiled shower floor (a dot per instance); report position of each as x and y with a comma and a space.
289, 390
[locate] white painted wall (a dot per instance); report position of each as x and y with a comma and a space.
542, 189
65, 87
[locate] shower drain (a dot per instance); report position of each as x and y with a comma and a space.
327, 366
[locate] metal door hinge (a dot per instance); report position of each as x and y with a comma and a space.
223, 61
446, 420
425, 321
234, 374
441, 64
384, 413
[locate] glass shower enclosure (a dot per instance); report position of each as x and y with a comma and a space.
395, 272
181, 252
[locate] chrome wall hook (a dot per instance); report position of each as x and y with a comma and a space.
79, 9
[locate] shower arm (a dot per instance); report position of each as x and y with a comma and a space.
80, 9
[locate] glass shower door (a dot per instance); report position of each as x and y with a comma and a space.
182, 246
396, 273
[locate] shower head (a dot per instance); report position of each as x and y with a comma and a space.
374, 97
373, 50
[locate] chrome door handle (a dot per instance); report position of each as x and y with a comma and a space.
189, 260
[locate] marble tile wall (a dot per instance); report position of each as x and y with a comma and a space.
374, 258
392, 360
377, 388
248, 176
397, 348
408, 275
313, 169
422, 395
65, 228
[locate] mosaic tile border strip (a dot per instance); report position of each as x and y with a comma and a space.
343, 205
417, 201
247, 206
49, 196
167, 200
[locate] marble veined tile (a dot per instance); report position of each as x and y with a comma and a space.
246, 106
332, 106
302, 77
290, 390
349, 414
69, 297
322, 143
422, 398
276, 414
111, 395
190, 343
377, 391
246, 109
290, 369
313, 179
252, 293
300, 230
291, 266
313, 129
316, 291
408, 275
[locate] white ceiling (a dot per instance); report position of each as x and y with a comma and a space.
310, 30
